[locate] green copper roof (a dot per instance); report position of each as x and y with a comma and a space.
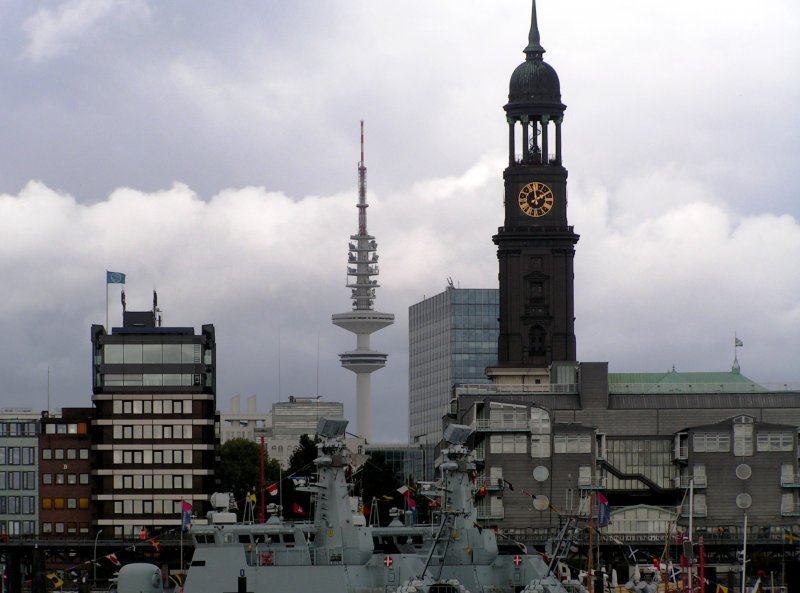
677, 382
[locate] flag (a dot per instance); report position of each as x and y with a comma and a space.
721, 589
298, 510
410, 502
114, 560
56, 580
480, 494
300, 480
115, 278
791, 537
603, 510
507, 483
186, 515
272, 490
156, 544
737, 342
251, 498
387, 497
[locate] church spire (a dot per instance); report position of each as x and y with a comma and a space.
534, 50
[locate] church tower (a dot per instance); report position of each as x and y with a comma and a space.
535, 245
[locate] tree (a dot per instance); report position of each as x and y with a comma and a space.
375, 480
302, 459
239, 468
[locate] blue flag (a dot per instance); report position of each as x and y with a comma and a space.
603, 510
115, 277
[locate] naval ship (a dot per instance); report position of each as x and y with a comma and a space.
336, 552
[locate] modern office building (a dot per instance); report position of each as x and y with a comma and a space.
154, 393
19, 471
452, 338
65, 467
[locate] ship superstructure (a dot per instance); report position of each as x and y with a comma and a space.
363, 320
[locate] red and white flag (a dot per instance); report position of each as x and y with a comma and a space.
114, 560
272, 490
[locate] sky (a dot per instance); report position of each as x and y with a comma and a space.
210, 152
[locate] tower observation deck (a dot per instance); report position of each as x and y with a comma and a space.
363, 320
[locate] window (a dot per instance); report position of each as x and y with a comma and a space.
83, 479
28, 455
83, 454
711, 442
540, 445
507, 443
59, 479
742, 440
774, 441
47, 479
572, 443
46, 453
540, 421
72, 453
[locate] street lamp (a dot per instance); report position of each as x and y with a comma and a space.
94, 558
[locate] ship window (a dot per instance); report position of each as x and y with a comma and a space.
288, 538
198, 562
258, 538
244, 538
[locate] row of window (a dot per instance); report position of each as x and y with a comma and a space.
65, 453
540, 444
17, 481
18, 429
15, 527
71, 528
152, 482
68, 479
152, 431
720, 442
17, 455
59, 504
65, 428
138, 406
17, 505
157, 456
151, 380
152, 353
148, 507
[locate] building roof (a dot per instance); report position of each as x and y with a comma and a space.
678, 382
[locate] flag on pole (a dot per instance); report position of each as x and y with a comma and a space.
737, 343
603, 510
480, 494
272, 490
298, 510
115, 277
114, 560
57, 581
186, 515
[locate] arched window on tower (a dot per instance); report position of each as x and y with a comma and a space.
536, 340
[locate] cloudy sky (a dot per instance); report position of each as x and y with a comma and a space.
209, 152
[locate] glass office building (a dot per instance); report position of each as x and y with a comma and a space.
452, 339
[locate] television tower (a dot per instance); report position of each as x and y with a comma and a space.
363, 320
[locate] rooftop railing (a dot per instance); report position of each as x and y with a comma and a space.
468, 388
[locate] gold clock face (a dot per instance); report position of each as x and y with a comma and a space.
536, 199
